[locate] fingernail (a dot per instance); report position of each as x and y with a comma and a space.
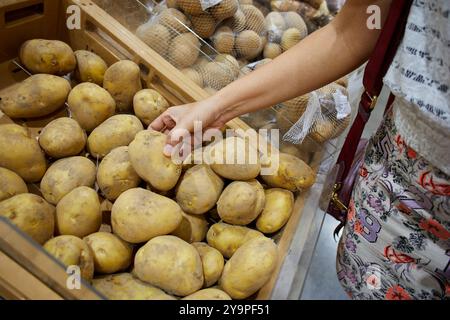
168, 149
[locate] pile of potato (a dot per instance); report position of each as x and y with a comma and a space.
175, 230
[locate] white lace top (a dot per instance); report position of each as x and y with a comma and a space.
420, 78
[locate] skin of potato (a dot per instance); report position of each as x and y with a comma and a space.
37, 96
111, 254
90, 105
65, 175
148, 104
208, 294
192, 228
249, 268
123, 80
115, 174
293, 174
277, 210
212, 262
125, 286
72, 251
21, 153
241, 202
199, 190
78, 213
232, 148
228, 238
171, 264
139, 215
47, 56
62, 138
30, 213
147, 158
90, 67
11, 184
117, 131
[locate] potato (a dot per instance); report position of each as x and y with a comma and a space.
228, 238
148, 104
171, 264
65, 175
192, 228
224, 9
208, 294
21, 153
212, 262
90, 67
184, 50
90, 105
234, 159
199, 190
111, 254
203, 25
147, 158
277, 210
30, 213
123, 80
290, 38
241, 202
125, 286
72, 251
293, 174
249, 268
155, 35
11, 184
192, 7
194, 75
117, 131
174, 20
36, 96
62, 138
139, 215
79, 213
115, 174
47, 56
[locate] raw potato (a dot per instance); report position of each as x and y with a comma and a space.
193, 75
156, 36
65, 175
21, 153
184, 50
241, 202
229, 61
212, 262
208, 294
272, 50
116, 175
248, 44
249, 268
174, 20
223, 40
204, 25
11, 184
31, 214
37, 96
63, 137
111, 254
228, 238
236, 22
192, 7
294, 20
47, 56
72, 251
171, 264
290, 38
147, 158
139, 215
199, 190
123, 80
224, 9
90, 67
79, 213
149, 104
244, 158
90, 105
125, 286
277, 210
117, 131
293, 174
192, 228
254, 19
216, 75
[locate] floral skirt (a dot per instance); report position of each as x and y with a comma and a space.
396, 243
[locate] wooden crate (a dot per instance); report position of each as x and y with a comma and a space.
21, 20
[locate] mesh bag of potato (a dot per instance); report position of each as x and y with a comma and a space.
321, 115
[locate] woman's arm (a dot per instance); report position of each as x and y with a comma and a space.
321, 58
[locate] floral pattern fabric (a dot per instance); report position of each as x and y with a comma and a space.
396, 243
